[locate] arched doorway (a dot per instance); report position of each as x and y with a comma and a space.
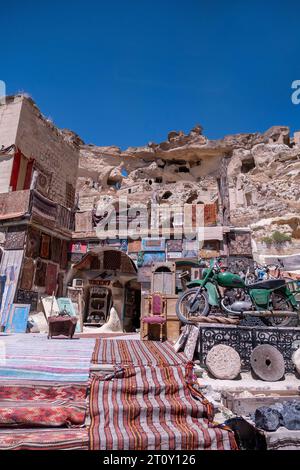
108, 277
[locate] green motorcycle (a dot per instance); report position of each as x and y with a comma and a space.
271, 300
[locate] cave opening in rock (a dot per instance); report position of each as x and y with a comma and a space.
167, 195
248, 165
183, 169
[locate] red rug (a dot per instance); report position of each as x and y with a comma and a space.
43, 439
152, 408
136, 352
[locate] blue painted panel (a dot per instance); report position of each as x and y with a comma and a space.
17, 319
149, 258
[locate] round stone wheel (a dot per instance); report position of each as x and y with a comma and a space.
296, 360
267, 363
223, 362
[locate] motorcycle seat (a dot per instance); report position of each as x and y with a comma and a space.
268, 284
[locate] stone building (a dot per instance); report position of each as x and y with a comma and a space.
38, 172
108, 224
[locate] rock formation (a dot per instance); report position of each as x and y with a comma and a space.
253, 177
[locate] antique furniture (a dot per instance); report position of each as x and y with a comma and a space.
99, 302
173, 324
156, 314
62, 325
163, 277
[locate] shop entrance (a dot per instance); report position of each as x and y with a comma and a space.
108, 277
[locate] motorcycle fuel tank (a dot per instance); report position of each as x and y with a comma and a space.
227, 279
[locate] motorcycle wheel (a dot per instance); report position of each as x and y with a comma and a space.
280, 302
184, 301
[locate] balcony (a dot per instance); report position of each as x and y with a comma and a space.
33, 206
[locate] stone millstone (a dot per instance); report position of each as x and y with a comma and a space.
223, 362
267, 363
296, 360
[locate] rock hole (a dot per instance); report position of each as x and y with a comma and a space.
268, 362
166, 195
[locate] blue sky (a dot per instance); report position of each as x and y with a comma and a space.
126, 72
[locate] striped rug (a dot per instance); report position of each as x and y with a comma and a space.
136, 352
33, 357
152, 408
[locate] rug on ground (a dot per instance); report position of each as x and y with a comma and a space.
148, 404
43, 392
33, 357
136, 352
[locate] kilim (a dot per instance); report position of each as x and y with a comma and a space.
27, 413
43, 208
55, 249
282, 439
45, 246
152, 408
40, 274
174, 245
38, 391
33, 243
83, 221
136, 352
44, 439
64, 255
32, 357
15, 239
134, 246
210, 214
27, 274
51, 278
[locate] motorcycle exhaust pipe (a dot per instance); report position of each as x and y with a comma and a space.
261, 313
269, 313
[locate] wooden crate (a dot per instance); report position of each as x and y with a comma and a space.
245, 405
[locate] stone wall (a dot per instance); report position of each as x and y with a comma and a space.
39, 139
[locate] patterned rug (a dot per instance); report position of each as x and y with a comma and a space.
136, 352
44, 439
42, 405
51, 405
152, 408
57, 413
42, 391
